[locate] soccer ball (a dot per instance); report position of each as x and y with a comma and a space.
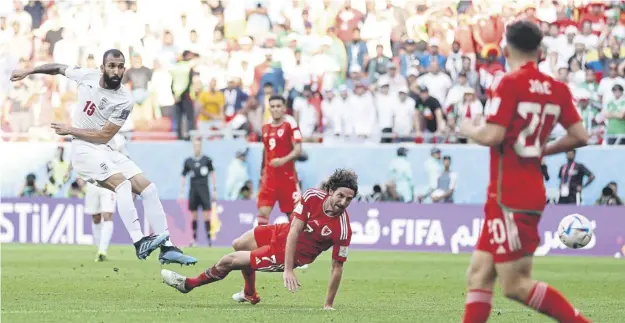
575, 231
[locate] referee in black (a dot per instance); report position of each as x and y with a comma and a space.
200, 167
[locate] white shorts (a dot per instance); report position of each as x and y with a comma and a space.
95, 163
99, 200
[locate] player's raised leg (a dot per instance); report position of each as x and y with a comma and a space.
237, 260
158, 219
517, 284
480, 280
128, 213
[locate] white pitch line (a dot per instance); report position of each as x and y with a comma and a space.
228, 309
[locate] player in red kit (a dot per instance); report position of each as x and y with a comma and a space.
283, 144
521, 114
319, 221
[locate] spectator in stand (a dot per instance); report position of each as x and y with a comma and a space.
454, 61
395, 80
384, 104
456, 92
468, 108
347, 19
378, 65
362, 112
357, 53
138, 78
430, 119
234, 98
306, 114
590, 40
588, 111
607, 84
356, 77
594, 17
210, 111
614, 112
565, 44
432, 55
436, 81
404, 115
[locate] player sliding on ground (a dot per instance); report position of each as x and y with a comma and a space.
103, 107
524, 108
319, 221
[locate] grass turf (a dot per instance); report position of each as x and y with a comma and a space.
61, 283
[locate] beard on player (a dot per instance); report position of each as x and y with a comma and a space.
112, 82
342, 187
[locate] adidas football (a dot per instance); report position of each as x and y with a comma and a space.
575, 231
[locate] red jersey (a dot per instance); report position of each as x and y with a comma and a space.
279, 141
321, 231
528, 104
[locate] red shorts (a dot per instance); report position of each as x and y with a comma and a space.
508, 236
271, 242
284, 190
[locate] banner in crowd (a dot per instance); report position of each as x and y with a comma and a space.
375, 226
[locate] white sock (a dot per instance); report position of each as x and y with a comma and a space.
96, 228
127, 210
107, 234
153, 210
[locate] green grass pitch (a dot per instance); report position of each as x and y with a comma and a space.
61, 283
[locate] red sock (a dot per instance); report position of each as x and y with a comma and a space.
478, 305
249, 275
211, 275
549, 301
262, 220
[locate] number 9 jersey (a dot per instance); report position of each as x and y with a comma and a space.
528, 104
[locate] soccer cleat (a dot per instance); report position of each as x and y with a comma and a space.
146, 245
173, 255
174, 280
242, 298
100, 257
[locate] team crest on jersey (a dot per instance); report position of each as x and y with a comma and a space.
280, 132
104, 167
103, 102
326, 231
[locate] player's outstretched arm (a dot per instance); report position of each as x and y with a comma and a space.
290, 281
335, 282
93, 136
576, 136
50, 69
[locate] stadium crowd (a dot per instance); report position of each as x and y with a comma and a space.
358, 70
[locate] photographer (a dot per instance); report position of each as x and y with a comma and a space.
608, 196
30, 187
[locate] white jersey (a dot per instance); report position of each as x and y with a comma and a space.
97, 105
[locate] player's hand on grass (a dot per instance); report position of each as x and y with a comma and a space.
61, 129
19, 74
290, 281
277, 162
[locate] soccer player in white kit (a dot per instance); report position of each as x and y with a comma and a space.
100, 204
103, 107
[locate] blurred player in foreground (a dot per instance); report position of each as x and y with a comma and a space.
103, 107
283, 144
100, 203
319, 221
523, 110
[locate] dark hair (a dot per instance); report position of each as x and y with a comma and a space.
447, 158
612, 183
524, 35
342, 178
277, 97
268, 84
113, 52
